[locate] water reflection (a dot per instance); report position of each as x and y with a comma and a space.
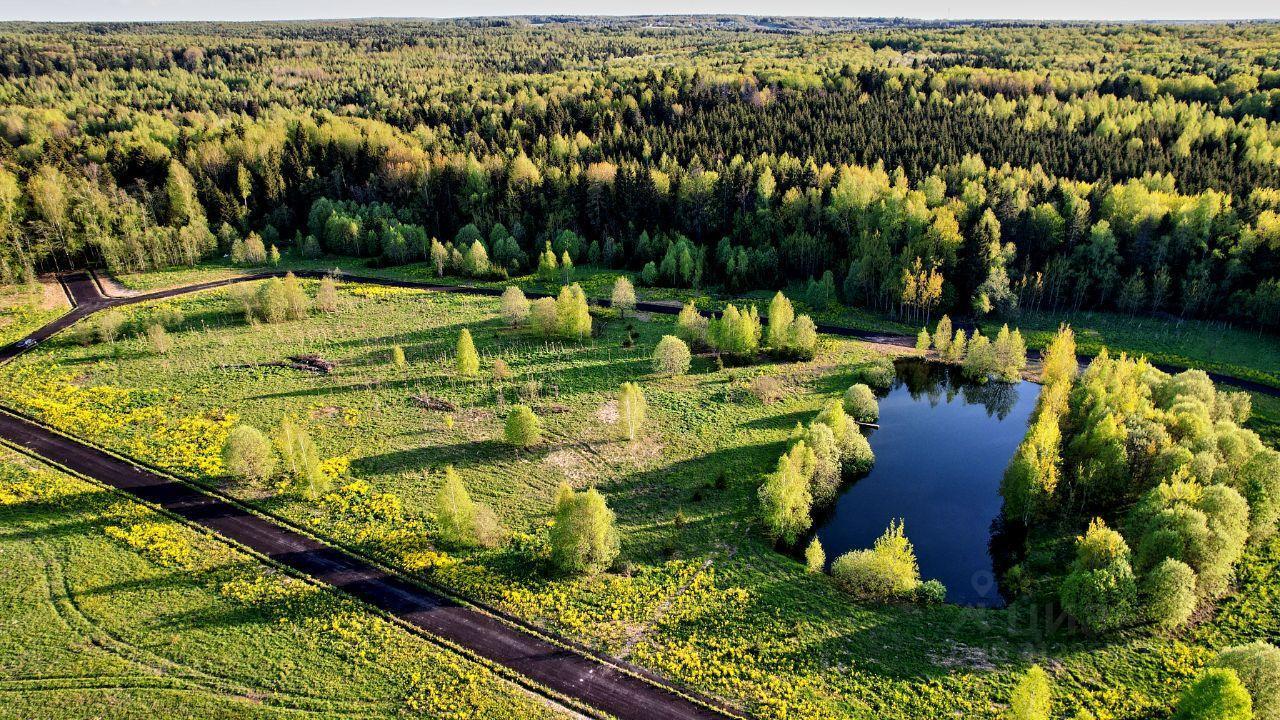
941, 451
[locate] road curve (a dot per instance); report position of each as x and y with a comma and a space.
610, 686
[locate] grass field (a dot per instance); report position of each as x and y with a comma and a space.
1183, 343
699, 595
24, 308
113, 610
1205, 345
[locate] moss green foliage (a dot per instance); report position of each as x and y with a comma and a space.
876, 373
584, 537
522, 428
887, 571
248, 455
1217, 694
465, 359
397, 357
736, 332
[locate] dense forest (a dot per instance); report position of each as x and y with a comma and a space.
912, 167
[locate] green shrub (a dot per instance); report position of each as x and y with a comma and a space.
887, 571
247, 454
1170, 590
584, 536
860, 403
522, 428
815, 558
877, 373
1031, 698
1217, 694
671, 356
931, 592
1258, 667
466, 360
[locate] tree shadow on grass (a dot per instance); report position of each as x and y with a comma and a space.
460, 455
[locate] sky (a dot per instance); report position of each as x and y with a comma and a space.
70, 10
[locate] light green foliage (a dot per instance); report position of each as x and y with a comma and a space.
671, 356
296, 302
460, 521
1258, 667
271, 301
942, 336
566, 267
397, 357
780, 317
584, 537
1010, 355
475, 261
980, 358
547, 268
887, 571
861, 404
248, 455
631, 410
815, 558
785, 498
299, 459
623, 296
466, 361
1217, 694
522, 429
515, 306
923, 340
543, 318
692, 326
159, 339
1169, 591
802, 341
327, 295
736, 332
1031, 698
1100, 591
573, 317
107, 326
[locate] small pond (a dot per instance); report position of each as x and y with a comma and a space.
941, 450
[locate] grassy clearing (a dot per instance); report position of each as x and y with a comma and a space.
112, 609
24, 308
699, 595
1200, 344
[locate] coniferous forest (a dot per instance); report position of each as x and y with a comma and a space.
640, 367
1120, 167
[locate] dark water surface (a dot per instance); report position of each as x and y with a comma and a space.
941, 450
